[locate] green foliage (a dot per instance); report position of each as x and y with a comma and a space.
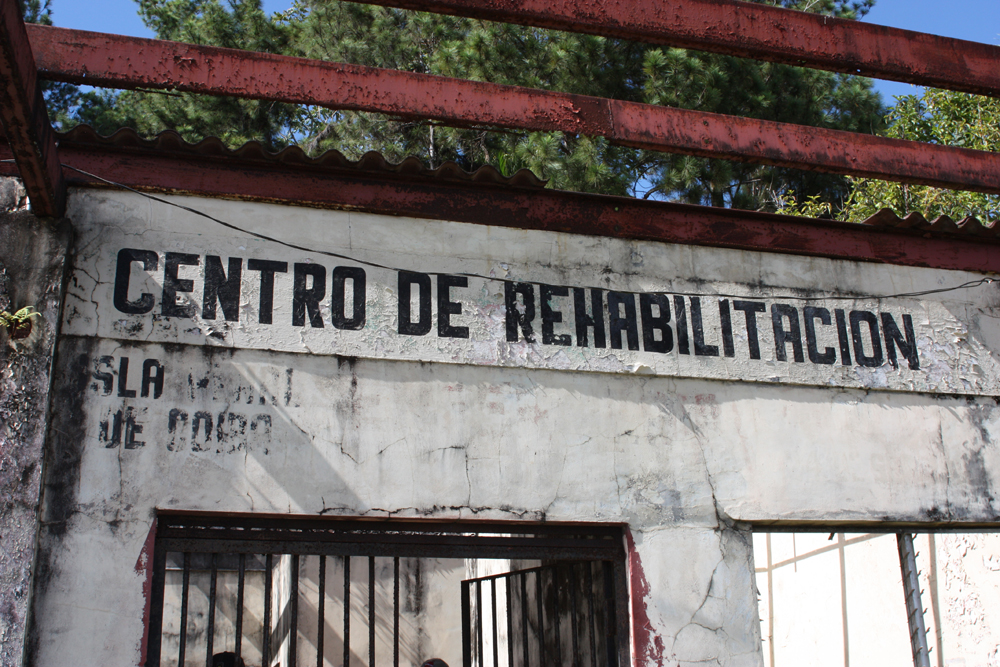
237, 24
514, 55
937, 117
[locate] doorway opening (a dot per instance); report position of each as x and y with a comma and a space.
274, 591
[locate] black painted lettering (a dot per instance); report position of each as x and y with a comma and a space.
407, 327
585, 321
726, 320
222, 288
519, 315
875, 359
782, 336
551, 317
619, 322
698, 331
306, 298
681, 325
151, 378
116, 429
199, 419
893, 339
651, 324
107, 377
172, 285
447, 307
338, 309
809, 316
123, 390
842, 337
175, 416
750, 310
123, 274
267, 268
132, 429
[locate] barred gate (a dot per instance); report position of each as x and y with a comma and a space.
569, 613
266, 590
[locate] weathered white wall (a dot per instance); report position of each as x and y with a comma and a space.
684, 461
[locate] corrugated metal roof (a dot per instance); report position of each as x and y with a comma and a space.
969, 225
171, 142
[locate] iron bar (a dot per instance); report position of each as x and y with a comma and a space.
321, 612
159, 576
510, 622
395, 611
479, 622
185, 589
117, 61
524, 618
589, 568
210, 630
25, 120
466, 625
371, 611
574, 623
239, 608
347, 611
556, 615
539, 604
293, 601
268, 580
609, 614
755, 31
914, 605
493, 616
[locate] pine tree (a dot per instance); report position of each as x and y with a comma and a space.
505, 54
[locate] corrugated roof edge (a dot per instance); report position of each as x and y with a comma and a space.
969, 225
169, 141
372, 162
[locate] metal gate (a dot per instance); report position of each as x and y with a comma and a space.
570, 613
252, 571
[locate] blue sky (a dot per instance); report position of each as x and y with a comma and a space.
976, 20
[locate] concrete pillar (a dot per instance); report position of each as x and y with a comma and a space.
32, 267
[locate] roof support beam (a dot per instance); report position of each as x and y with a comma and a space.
753, 31
25, 121
524, 208
129, 62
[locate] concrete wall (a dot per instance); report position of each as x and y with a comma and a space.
499, 431
32, 261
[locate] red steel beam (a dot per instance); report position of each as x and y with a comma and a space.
130, 62
24, 119
525, 208
753, 31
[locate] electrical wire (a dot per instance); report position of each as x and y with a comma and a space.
775, 297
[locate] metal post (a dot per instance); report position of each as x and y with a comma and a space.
239, 608
914, 605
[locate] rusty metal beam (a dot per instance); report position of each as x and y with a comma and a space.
130, 62
753, 31
25, 122
525, 208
